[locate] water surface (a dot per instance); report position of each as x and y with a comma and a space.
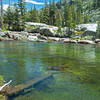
77, 76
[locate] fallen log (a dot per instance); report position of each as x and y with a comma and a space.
13, 90
1, 87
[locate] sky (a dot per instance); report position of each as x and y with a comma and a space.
29, 3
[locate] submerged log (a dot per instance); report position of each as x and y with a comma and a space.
1, 87
13, 90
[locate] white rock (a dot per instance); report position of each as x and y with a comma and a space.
89, 27
97, 40
86, 41
36, 24
32, 38
54, 38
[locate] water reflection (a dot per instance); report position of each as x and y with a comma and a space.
78, 74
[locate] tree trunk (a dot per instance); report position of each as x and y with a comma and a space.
1, 13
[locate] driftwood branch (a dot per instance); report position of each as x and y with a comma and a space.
1, 87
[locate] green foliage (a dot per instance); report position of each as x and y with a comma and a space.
52, 13
98, 30
1, 79
70, 16
96, 4
15, 18
44, 14
8, 17
22, 11
37, 40
86, 19
63, 14
4, 28
79, 12
30, 28
34, 15
59, 20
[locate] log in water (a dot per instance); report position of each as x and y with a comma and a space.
13, 90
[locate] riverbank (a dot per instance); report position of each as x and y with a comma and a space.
36, 37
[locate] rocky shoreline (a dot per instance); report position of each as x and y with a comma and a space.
36, 37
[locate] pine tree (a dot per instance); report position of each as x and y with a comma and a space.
96, 4
16, 26
1, 17
79, 12
44, 14
66, 14
59, 19
74, 16
52, 13
22, 11
34, 15
86, 18
8, 18
98, 30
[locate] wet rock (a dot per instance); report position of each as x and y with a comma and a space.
42, 37
54, 39
97, 41
73, 41
42, 41
86, 42
1, 38
54, 68
66, 40
16, 37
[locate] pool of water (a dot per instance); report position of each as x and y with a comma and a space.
77, 76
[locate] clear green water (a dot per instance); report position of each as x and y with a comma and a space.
78, 77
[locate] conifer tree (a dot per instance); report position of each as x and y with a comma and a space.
79, 12
59, 19
52, 13
74, 16
45, 14
86, 18
8, 18
34, 15
1, 17
22, 11
16, 26
98, 30
96, 4
66, 14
